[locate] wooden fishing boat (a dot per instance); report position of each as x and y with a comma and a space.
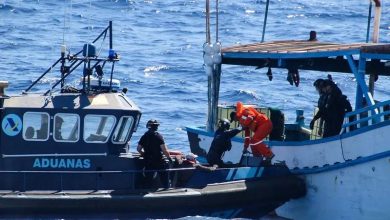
346, 175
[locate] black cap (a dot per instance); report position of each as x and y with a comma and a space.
319, 83
152, 123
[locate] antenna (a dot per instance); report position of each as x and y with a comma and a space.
265, 20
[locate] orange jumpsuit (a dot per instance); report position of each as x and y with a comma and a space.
259, 124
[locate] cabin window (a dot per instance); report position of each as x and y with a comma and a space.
35, 126
66, 127
97, 128
122, 130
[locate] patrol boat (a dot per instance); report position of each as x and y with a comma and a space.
347, 175
65, 152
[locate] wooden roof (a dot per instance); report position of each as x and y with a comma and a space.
306, 47
309, 55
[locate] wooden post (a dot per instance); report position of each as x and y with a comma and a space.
375, 39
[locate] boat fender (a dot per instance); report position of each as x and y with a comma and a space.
296, 78
217, 47
289, 77
209, 70
217, 55
269, 74
217, 58
208, 59
208, 48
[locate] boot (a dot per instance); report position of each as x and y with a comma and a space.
267, 160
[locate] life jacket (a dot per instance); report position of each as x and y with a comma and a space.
244, 115
249, 116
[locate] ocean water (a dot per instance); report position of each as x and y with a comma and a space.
160, 43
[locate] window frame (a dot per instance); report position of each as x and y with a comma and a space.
48, 127
117, 127
109, 134
65, 140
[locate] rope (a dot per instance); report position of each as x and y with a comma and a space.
101, 44
216, 25
368, 22
70, 23
63, 31
208, 38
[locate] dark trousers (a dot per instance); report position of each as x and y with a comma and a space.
332, 127
156, 169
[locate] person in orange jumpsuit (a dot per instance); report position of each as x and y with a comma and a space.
261, 126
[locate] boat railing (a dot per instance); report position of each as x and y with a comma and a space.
366, 116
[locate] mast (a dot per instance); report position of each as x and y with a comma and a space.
212, 60
92, 62
265, 20
375, 39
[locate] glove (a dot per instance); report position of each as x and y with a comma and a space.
240, 128
245, 151
312, 124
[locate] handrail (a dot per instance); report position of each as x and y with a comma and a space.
52, 155
367, 108
366, 116
97, 171
366, 119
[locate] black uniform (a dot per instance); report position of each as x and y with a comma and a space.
221, 143
321, 106
336, 106
154, 156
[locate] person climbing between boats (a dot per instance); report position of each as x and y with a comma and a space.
221, 143
152, 148
261, 126
334, 108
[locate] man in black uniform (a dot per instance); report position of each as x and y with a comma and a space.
221, 143
336, 105
153, 149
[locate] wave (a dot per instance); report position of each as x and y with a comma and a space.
4, 7
242, 95
148, 71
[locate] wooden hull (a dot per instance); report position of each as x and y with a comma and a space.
346, 176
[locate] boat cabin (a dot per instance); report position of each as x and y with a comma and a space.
99, 124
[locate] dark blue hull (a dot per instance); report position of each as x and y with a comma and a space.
241, 198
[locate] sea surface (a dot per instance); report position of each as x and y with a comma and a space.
160, 44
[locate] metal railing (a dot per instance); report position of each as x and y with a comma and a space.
366, 116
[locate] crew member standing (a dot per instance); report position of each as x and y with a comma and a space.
319, 84
261, 126
221, 143
153, 149
335, 106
